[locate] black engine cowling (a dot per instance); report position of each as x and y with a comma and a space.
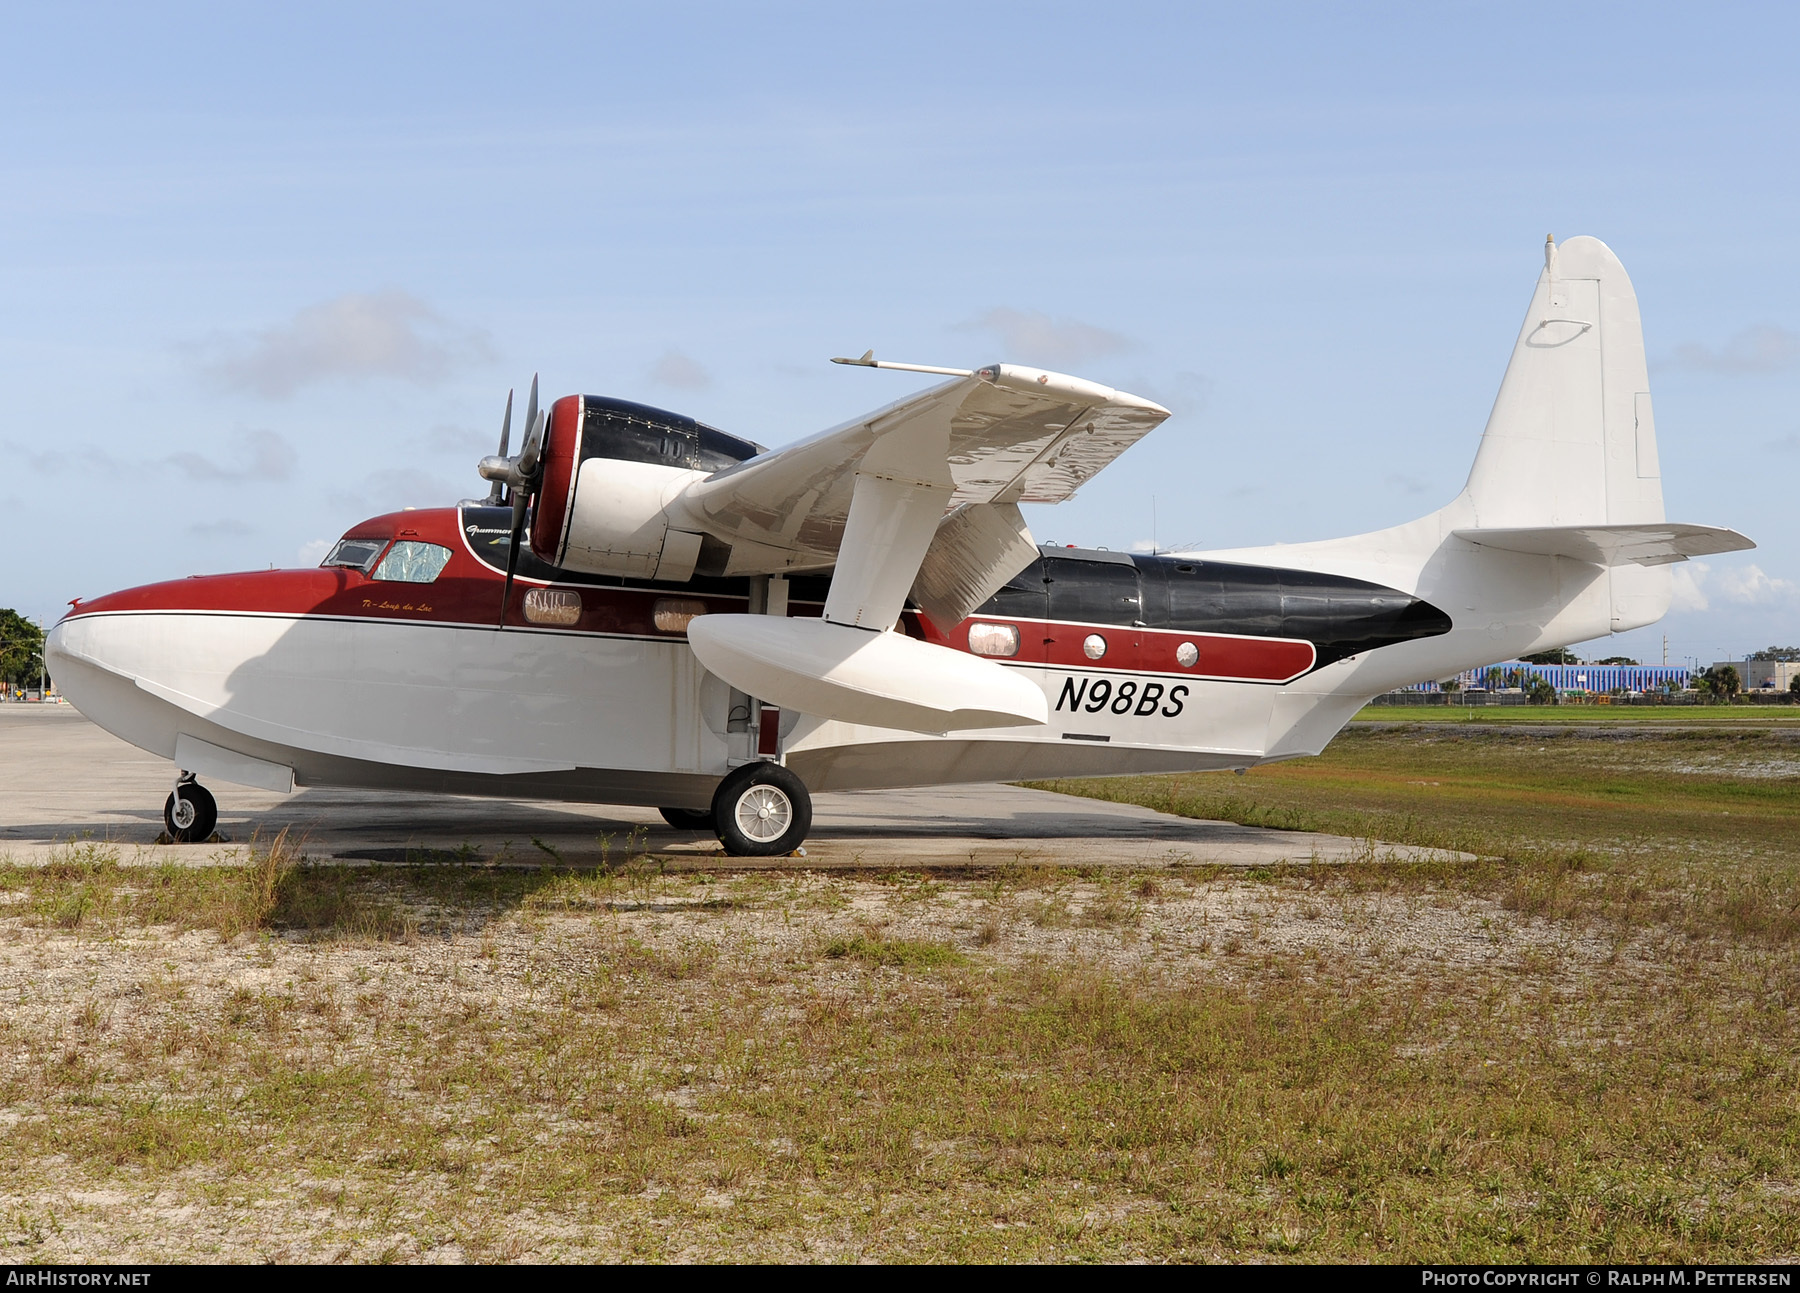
610, 468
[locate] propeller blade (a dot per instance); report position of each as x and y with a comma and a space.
531, 409
512, 553
496, 495
532, 449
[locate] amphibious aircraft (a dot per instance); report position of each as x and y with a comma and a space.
647, 610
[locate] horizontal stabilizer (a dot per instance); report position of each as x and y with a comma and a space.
857, 676
1651, 544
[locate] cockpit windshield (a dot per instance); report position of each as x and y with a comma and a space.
408, 562
358, 554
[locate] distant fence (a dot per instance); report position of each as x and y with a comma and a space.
1478, 699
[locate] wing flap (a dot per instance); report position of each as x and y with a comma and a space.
1650, 544
977, 548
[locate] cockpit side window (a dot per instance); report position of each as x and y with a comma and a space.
358, 554
411, 562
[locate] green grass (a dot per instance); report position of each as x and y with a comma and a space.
1580, 1047
894, 952
1580, 715
1700, 829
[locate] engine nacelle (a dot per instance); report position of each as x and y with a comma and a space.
610, 469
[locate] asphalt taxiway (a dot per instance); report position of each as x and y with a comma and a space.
63, 779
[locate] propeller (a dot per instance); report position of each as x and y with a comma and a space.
497, 496
523, 475
530, 476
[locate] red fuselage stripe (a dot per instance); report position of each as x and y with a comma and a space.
467, 593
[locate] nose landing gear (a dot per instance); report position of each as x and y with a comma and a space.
190, 813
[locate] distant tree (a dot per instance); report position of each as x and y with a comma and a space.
1788, 655
1450, 684
1616, 659
1539, 691
1561, 655
1721, 682
21, 648
1794, 686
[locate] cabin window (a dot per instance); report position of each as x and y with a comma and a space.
994, 639
1093, 592
558, 606
1093, 646
358, 554
412, 562
674, 614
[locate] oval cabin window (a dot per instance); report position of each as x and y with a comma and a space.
994, 639
674, 614
1093, 646
558, 606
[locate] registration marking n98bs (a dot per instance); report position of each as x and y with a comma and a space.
1141, 700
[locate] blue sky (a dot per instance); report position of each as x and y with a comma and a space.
267, 271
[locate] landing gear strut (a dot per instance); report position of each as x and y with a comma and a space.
761, 810
191, 812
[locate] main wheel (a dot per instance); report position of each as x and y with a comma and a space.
761, 810
688, 819
190, 813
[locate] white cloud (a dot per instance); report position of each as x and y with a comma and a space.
311, 554
255, 455
1034, 338
394, 488
680, 371
1764, 348
1698, 586
355, 336
1184, 395
1686, 593
224, 528
445, 438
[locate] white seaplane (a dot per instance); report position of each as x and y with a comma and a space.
719, 630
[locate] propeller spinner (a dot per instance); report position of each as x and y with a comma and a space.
521, 474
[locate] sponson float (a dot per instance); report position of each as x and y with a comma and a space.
647, 610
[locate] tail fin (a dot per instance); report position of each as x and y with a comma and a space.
1571, 440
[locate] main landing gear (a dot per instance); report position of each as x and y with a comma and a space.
760, 810
190, 813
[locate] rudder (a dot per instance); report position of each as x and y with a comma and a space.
1572, 437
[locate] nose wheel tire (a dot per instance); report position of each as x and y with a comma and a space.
761, 810
190, 813
688, 819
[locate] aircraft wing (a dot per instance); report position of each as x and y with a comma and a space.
920, 497
1002, 435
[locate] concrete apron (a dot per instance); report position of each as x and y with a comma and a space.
66, 780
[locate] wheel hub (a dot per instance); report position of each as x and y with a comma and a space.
763, 813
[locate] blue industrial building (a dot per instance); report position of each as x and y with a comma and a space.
1599, 678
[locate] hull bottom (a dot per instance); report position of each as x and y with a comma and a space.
153, 724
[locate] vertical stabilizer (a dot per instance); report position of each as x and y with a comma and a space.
1571, 439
